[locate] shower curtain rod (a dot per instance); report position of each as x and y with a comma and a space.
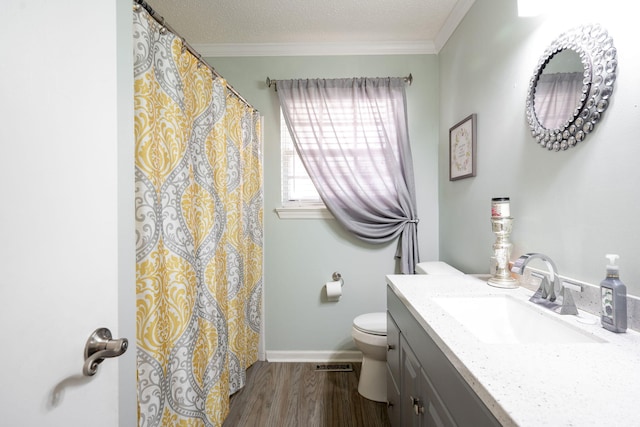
160, 20
274, 83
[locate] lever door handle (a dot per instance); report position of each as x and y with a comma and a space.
101, 345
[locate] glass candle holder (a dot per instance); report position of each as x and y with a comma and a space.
500, 272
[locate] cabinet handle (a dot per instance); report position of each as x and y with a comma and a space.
418, 408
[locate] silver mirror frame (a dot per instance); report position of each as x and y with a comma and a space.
599, 59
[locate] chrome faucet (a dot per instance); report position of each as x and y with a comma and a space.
546, 293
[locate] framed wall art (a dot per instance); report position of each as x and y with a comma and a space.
462, 149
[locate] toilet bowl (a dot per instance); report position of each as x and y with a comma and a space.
369, 333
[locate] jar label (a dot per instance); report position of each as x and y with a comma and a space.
500, 208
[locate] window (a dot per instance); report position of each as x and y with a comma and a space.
297, 188
300, 199
351, 137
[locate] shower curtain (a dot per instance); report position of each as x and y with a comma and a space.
198, 165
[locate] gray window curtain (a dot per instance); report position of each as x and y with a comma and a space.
557, 96
352, 137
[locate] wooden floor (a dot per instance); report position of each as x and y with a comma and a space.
296, 395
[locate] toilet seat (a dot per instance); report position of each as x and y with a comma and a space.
372, 323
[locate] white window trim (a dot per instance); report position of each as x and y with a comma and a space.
304, 212
302, 209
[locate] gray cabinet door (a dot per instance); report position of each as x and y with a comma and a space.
421, 405
393, 400
435, 412
393, 373
411, 396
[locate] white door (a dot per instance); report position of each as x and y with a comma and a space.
67, 261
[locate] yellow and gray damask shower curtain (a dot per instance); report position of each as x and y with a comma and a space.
199, 233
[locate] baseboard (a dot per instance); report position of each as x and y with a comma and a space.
314, 356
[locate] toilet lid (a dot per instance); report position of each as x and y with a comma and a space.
372, 323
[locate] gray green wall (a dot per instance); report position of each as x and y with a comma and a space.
574, 205
301, 255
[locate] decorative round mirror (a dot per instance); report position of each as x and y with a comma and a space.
571, 87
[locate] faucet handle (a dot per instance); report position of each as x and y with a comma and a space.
568, 304
572, 285
542, 291
548, 290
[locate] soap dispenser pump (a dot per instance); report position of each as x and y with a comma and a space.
613, 295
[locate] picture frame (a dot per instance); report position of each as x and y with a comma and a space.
462, 149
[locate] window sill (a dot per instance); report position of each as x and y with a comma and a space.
304, 212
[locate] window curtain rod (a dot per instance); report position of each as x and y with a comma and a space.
274, 83
160, 20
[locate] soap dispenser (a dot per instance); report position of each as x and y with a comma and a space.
613, 295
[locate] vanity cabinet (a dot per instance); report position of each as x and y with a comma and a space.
423, 387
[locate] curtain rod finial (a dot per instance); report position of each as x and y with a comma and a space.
272, 82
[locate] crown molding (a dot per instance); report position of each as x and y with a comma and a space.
421, 47
315, 49
455, 17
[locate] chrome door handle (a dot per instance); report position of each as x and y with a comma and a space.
100, 345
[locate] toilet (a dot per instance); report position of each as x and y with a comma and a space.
369, 333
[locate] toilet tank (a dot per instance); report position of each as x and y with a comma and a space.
436, 267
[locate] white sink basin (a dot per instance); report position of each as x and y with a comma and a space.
504, 319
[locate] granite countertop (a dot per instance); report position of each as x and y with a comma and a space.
532, 384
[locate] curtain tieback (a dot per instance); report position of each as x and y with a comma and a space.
415, 221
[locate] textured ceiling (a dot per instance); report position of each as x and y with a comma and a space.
216, 22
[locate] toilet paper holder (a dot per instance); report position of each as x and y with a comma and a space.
337, 276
